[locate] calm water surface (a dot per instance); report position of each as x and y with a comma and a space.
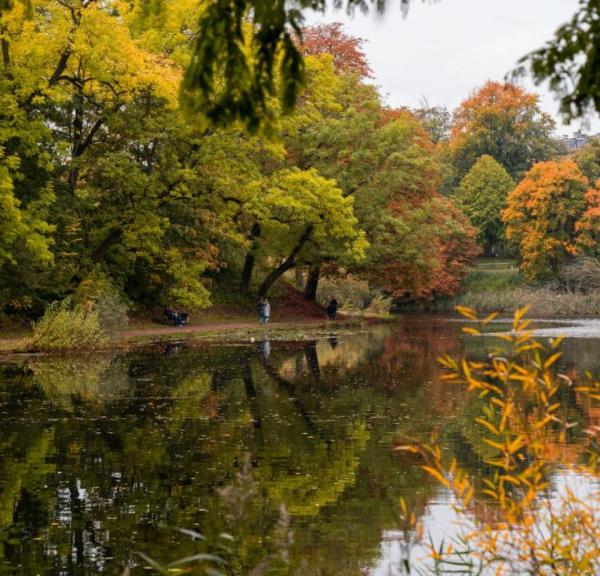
100, 458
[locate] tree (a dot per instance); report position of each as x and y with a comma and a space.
436, 120
588, 159
543, 213
304, 217
25, 238
347, 51
137, 189
568, 61
504, 122
482, 196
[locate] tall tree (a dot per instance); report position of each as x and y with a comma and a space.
436, 120
304, 217
230, 83
504, 122
482, 195
588, 159
543, 213
347, 51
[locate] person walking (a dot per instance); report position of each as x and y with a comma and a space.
332, 308
266, 311
260, 308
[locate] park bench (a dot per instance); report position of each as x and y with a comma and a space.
177, 318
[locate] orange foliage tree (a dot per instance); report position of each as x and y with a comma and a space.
422, 245
588, 226
505, 122
552, 216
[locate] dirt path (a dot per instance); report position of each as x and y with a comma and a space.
216, 327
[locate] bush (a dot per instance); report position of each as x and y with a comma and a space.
98, 292
354, 296
582, 275
519, 403
482, 279
68, 326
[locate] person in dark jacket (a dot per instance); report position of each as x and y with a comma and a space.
332, 308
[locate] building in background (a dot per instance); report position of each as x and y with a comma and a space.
576, 141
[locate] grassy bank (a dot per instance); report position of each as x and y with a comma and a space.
489, 289
232, 331
293, 318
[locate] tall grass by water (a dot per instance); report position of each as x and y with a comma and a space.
542, 301
505, 289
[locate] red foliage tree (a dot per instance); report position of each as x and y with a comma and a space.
347, 51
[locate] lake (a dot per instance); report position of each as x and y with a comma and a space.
103, 458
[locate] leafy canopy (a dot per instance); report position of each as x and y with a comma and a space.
503, 121
482, 196
544, 213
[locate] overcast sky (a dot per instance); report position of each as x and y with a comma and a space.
442, 51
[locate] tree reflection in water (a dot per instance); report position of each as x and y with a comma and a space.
96, 454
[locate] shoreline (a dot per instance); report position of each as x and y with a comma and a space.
229, 332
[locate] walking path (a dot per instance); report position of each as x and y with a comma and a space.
216, 327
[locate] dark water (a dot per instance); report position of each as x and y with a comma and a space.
100, 458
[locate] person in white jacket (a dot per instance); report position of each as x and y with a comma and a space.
266, 311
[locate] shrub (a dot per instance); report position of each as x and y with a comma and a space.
99, 292
354, 296
524, 421
68, 326
582, 275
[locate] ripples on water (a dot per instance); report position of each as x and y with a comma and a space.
99, 456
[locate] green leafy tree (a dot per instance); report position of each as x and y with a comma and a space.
482, 196
305, 217
588, 159
238, 67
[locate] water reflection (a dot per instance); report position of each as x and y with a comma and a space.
96, 454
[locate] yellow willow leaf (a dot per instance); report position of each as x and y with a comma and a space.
493, 444
437, 475
520, 369
489, 318
556, 342
448, 361
521, 312
406, 448
516, 444
554, 407
472, 331
532, 346
510, 480
522, 326
468, 496
505, 337
491, 493
552, 359
488, 425
403, 505
543, 422
466, 312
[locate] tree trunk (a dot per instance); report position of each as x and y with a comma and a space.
250, 259
299, 278
312, 284
287, 264
112, 238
